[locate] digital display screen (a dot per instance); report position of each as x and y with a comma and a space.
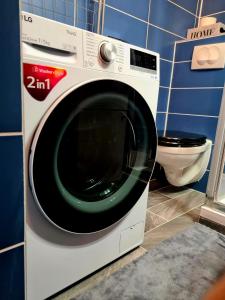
143, 60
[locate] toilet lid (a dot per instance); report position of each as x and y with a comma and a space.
180, 139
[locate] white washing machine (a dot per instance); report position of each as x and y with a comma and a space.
90, 144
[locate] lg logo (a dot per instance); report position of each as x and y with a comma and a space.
27, 19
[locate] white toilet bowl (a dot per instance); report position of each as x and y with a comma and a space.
184, 161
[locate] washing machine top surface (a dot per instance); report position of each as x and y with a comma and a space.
180, 139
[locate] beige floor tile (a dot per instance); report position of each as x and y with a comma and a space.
155, 198
173, 191
169, 229
153, 221
101, 275
179, 205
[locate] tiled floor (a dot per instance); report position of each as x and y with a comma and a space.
170, 211
169, 203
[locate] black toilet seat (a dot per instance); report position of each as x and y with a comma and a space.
180, 139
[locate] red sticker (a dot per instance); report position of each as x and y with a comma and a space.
40, 80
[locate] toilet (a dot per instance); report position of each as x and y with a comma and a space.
184, 156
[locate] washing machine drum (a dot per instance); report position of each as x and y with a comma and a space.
92, 156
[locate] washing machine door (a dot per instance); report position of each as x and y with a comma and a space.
93, 156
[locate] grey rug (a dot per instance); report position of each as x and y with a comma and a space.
180, 268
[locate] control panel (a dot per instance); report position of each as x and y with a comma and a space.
104, 53
86, 49
140, 60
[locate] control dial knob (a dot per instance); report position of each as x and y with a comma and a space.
108, 52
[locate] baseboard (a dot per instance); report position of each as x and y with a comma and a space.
213, 215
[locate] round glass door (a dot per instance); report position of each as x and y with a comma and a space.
93, 156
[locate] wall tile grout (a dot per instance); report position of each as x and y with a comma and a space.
149, 7
216, 13
170, 32
166, 59
200, 11
169, 94
74, 12
196, 13
144, 21
11, 247
2, 134
197, 88
181, 7
125, 13
191, 115
195, 115
182, 61
164, 87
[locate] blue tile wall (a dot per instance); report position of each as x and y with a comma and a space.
185, 77
162, 99
184, 50
10, 109
161, 33
11, 191
210, 7
165, 70
196, 101
87, 15
12, 274
125, 28
11, 157
220, 17
160, 121
189, 5
182, 20
58, 10
63, 11
195, 96
162, 42
210, 160
202, 184
194, 124
135, 8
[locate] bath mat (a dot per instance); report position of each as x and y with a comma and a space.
180, 268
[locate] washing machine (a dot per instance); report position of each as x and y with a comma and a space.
89, 105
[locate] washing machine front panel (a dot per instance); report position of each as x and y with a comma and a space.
93, 156
54, 255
